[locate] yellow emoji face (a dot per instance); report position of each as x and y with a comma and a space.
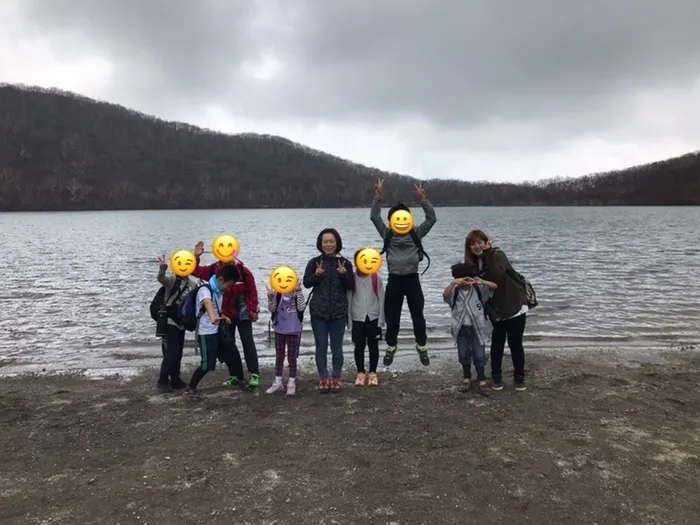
225, 248
401, 222
183, 263
283, 279
368, 261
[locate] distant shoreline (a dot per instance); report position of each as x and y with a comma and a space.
416, 205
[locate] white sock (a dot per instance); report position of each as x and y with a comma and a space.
278, 380
292, 380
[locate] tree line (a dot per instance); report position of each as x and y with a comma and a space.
62, 151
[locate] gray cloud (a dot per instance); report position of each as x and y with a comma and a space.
455, 63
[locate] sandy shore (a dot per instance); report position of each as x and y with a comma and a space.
593, 440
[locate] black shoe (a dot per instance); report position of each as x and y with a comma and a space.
178, 384
496, 384
520, 383
423, 355
389, 355
164, 387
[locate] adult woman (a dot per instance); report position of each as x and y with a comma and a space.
507, 308
330, 276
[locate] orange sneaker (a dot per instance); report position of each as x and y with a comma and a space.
335, 384
373, 379
323, 384
361, 378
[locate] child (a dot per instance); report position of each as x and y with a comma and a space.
174, 339
466, 295
365, 316
286, 312
212, 342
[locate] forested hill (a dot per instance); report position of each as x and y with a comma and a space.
61, 151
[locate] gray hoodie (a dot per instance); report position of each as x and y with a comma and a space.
402, 256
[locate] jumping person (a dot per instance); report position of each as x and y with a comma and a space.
404, 252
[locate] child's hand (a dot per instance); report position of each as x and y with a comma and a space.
270, 293
226, 319
162, 262
198, 249
477, 281
319, 269
298, 287
342, 270
215, 320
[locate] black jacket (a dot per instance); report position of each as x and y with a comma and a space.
329, 300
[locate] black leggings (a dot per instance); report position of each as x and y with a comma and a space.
513, 330
366, 333
398, 287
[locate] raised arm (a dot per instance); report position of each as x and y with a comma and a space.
310, 277
430, 219
497, 264
166, 280
348, 278
375, 216
300, 300
203, 272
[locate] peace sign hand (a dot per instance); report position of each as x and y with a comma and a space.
342, 270
420, 190
162, 262
319, 269
270, 293
379, 188
199, 249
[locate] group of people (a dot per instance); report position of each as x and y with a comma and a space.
485, 297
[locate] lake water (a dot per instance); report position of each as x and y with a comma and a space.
78, 285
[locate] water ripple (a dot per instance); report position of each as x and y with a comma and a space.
81, 283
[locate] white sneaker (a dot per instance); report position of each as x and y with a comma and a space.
291, 387
277, 386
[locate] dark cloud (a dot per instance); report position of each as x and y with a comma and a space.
454, 63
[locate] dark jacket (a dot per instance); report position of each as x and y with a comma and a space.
509, 297
329, 300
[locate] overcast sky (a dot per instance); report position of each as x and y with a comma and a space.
472, 89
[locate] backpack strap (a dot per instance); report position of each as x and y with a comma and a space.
419, 244
375, 284
273, 315
387, 241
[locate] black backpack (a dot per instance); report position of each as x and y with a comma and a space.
159, 300
525, 285
416, 240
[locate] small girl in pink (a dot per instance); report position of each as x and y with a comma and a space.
287, 313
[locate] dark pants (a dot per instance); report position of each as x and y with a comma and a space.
215, 348
172, 345
513, 330
398, 287
366, 333
323, 330
250, 353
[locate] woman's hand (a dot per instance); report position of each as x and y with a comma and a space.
342, 270
319, 269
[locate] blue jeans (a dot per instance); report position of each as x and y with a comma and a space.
469, 348
322, 330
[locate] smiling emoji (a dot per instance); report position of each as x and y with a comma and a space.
368, 261
225, 248
401, 222
183, 263
283, 279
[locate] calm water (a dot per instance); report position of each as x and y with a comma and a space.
80, 283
